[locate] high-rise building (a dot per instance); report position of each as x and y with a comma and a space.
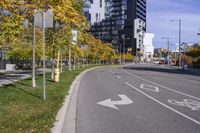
113, 21
148, 50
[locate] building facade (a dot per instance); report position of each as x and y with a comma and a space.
139, 33
112, 21
148, 50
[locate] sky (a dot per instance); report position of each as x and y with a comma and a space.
159, 14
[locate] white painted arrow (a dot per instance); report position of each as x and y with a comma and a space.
112, 104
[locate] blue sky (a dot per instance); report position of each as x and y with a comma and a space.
159, 14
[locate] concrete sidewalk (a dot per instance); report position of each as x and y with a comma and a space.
9, 77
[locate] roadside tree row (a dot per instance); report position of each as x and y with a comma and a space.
17, 33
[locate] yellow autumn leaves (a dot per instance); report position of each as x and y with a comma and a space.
16, 34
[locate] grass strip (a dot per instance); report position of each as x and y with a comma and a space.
22, 109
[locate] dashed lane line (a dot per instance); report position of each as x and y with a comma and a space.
197, 98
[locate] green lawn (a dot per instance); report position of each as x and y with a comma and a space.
22, 109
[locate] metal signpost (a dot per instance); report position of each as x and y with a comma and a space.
44, 20
74, 41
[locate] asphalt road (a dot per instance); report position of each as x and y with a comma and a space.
139, 99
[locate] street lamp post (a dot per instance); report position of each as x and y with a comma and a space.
167, 48
179, 22
120, 52
124, 41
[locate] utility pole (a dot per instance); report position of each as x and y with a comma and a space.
168, 51
124, 49
180, 44
167, 48
120, 53
180, 54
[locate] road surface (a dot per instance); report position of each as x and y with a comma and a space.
138, 99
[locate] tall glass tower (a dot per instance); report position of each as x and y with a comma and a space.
112, 21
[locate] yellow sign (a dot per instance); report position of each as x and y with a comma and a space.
141, 51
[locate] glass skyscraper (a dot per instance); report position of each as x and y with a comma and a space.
112, 20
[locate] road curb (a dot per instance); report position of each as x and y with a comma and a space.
67, 113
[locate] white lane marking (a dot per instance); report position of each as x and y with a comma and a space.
115, 74
149, 87
194, 105
112, 72
186, 116
118, 77
197, 98
111, 104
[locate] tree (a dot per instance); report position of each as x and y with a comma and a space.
128, 57
195, 52
194, 55
67, 16
107, 52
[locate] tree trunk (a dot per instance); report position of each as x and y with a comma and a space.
61, 62
53, 62
52, 68
33, 67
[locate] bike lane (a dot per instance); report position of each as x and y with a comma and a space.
184, 105
133, 111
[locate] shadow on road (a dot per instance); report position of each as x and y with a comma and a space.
162, 70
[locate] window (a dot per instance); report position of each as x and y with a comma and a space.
96, 17
99, 17
100, 3
124, 1
124, 7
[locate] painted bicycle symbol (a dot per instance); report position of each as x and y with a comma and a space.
194, 105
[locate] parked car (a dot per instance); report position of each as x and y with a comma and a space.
156, 62
161, 62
